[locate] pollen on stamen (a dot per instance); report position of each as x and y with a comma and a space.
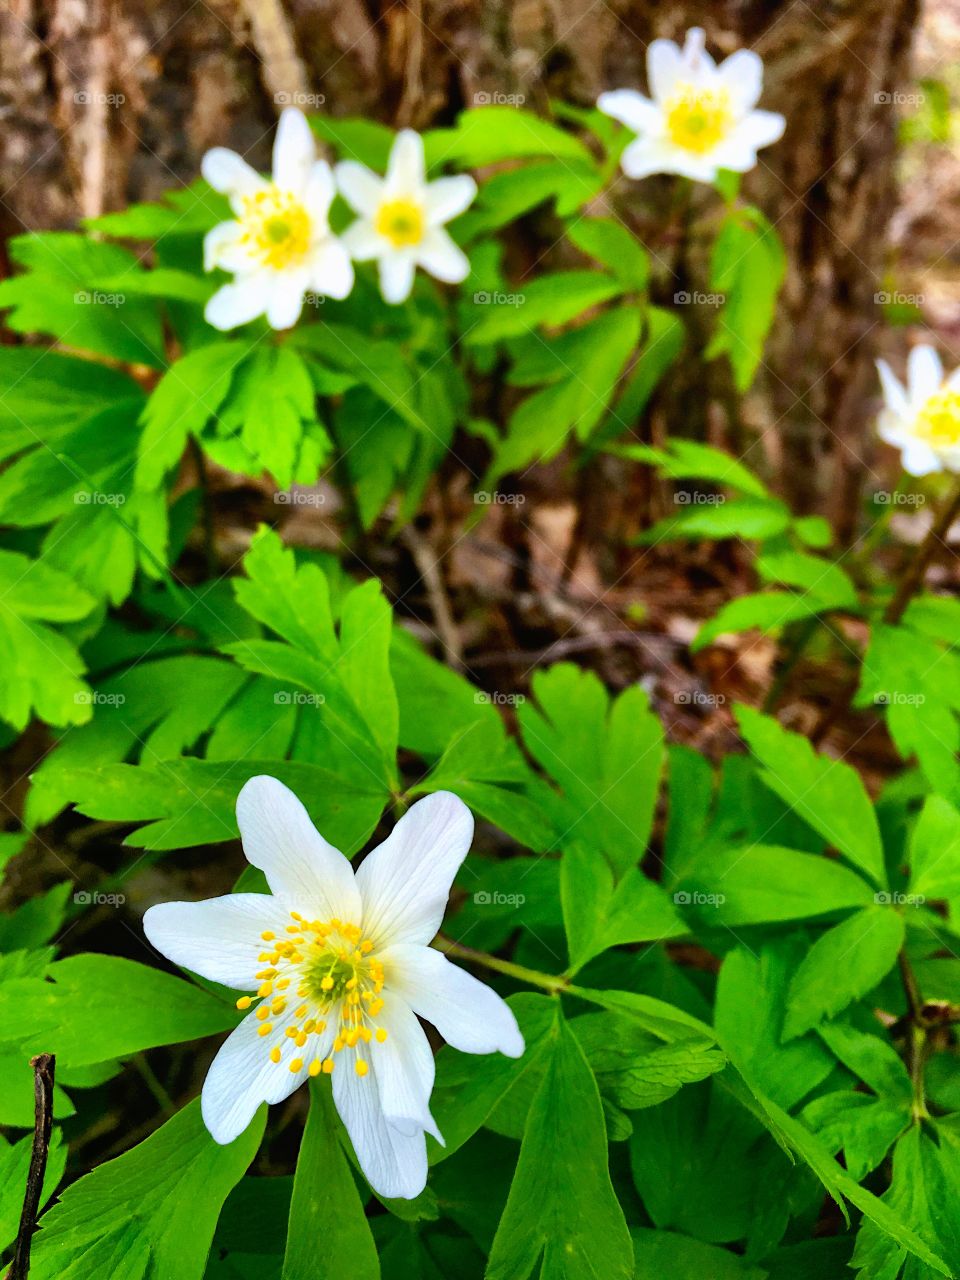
264, 1029
361, 1067
275, 1054
244, 1002
316, 1066
295, 1065
328, 1066
381, 1034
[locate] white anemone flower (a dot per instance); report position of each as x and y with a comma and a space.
922, 419
280, 245
699, 118
338, 970
402, 217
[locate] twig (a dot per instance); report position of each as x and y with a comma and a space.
43, 1072
428, 566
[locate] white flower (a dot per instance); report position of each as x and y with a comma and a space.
700, 118
402, 217
280, 245
922, 419
340, 967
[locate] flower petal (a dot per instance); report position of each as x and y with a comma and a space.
243, 1075
448, 197
362, 242
894, 392
647, 155
224, 247
300, 866
443, 259
218, 938
405, 882
319, 192
919, 459
632, 109
397, 270
467, 1013
360, 187
405, 1070
394, 1163
331, 271
229, 173
924, 374
664, 68
294, 151
742, 76
760, 129
237, 303
406, 174
285, 301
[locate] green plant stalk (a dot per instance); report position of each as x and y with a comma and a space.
533, 977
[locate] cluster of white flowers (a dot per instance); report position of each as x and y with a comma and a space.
279, 246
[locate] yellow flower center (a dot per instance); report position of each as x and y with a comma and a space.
329, 970
697, 119
938, 422
276, 227
401, 222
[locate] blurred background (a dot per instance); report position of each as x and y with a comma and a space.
109, 101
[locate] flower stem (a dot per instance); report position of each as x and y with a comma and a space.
928, 548
916, 1036
547, 981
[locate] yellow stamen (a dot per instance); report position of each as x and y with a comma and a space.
698, 118
401, 222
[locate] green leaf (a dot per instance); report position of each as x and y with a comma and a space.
94, 1007
842, 965
713, 516
487, 134
827, 794
326, 1205
691, 460
606, 756
667, 1253
151, 1213
191, 391
763, 884
550, 300
935, 851
748, 267
599, 913
765, 611
612, 245
14, 1164
562, 1204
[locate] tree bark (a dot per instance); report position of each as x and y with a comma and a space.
116, 100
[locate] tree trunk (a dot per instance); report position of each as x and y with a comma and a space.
115, 100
